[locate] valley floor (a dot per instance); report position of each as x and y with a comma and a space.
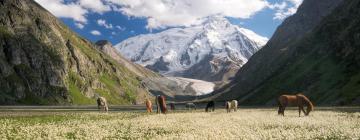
250, 123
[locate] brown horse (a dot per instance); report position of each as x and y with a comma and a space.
295, 100
172, 106
161, 104
148, 105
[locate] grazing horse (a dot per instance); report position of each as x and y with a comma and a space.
172, 106
102, 104
161, 104
148, 105
190, 106
210, 104
231, 105
295, 100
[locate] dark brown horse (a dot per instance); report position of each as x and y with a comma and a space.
298, 100
172, 106
211, 105
161, 104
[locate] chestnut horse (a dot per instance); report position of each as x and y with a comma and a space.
161, 104
148, 105
295, 100
211, 105
102, 104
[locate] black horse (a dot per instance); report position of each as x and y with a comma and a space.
210, 104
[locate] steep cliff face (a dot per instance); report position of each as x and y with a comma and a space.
311, 52
43, 62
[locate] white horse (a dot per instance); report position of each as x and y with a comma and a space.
231, 105
102, 104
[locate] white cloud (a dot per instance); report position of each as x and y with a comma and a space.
165, 13
79, 25
296, 3
284, 9
278, 6
95, 5
68, 10
113, 33
95, 32
102, 22
120, 28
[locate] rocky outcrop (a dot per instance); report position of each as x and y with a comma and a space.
314, 51
44, 62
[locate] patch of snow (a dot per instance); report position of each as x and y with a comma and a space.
253, 36
201, 87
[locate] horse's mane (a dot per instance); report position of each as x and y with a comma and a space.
310, 106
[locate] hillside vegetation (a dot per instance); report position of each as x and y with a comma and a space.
43, 62
323, 63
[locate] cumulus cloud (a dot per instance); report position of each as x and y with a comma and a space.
285, 9
167, 13
120, 28
68, 10
97, 6
95, 32
79, 25
102, 22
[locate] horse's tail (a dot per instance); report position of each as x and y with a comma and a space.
281, 105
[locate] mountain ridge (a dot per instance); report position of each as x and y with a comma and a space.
184, 51
44, 62
315, 61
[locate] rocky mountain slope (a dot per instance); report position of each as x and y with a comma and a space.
106, 47
315, 51
175, 88
43, 62
213, 51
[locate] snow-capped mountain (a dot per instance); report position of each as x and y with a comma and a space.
212, 51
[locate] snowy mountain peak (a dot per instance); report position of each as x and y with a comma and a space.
212, 51
213, 22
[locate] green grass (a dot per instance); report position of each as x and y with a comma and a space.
120, 84
74, 85
77, 97
115, 93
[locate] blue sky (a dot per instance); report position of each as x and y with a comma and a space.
116, 20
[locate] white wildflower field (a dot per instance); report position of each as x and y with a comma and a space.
243, 124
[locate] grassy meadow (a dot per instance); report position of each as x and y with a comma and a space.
243, 124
